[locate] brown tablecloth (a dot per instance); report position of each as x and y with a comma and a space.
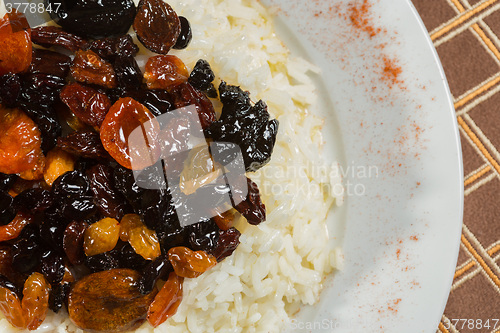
466, 34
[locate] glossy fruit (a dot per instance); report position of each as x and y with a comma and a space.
157, 25
227, 243
112, 47
20, 141
252, 208
73, 239
10, 89
101, 236
86, 144
128, 73
154, 271
199, 170
14, 228
185, 35
203, 235
33, 200
166, 301
11, 308
109, 301
143, 240
88, 104
123, 118
15, 43
165, 71
35, 301
50, 62
71, 184
57, 163
225, 220
184, 94
48, 36
36, 173
89, 68
202, 76
188, 263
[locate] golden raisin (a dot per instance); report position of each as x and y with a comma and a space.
101, 236
225, 220
35, 301
109, 301
89, 68
15, 43
144, 241
123, 118
188, 263
14, 228
20, 141
166, 301
129, 222
57, 163
11, 308
164, 71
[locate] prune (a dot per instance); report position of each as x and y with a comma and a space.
127, 71
188, 263
101, 237
114, 295
58, 296
102, 262
252, 208
25, 255
14, 228
10, 306
88, 104
185, 35
89, 68
87, 144
245, 125
7, 212
15, 54
94, 18
50, 62
123, 118
73, 242
143, 240
167, 301
33, 200
184, 94
157, 25
57, 163
35, 301
127, 258
108, 199
79, 208
165, 71
6, 181
53, 36
126, 185
227, 243
112, 47
156, 270
10, 89
202, 76
203, 235
73, 183
20, 141
52, 267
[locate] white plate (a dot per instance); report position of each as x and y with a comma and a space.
402, 234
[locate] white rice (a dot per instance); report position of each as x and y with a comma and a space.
280, 264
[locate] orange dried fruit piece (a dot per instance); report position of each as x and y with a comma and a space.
109, 301
35, 301
165, 71
14, 228
89, 68
15, 43
144, 241
20, 142
101, 236
127, 224
37, 172
225, 220
166, 301
57, 163
188, 263
134, 151
11, 308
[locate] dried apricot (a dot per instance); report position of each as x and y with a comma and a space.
166, 301
101, 236
164, 71
35, 301
15, 43
14, 228
57, 163
123, 118
20, 141
188, 263
89, 68
109, 301
11, 308
37, 172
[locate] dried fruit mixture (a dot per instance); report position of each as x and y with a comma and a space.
78, 232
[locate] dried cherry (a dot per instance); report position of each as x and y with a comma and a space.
89, 68
53, 36
165, 71
167, 300
227, 243
185, 34
88, 104
188, 263
15, 54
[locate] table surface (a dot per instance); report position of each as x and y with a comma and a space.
466, 34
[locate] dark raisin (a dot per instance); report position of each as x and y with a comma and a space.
25, 255
109, 200
157, 210
7, 211
10, 89
185, 35
158, 101
33, 200
42, 88
94, 18
58, 296
50, 62
227, 243
202, 76
101, 262
86, 144
127, 71
87, 104
52, 232
203, 235
158, 269
72, 183
53, 36
252, 208
126, 185
157, 25
184, 94
173, 237
79, 208
48, 124
6, 181
128, 258
110, 48
4, 282
52, 267
73, 242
